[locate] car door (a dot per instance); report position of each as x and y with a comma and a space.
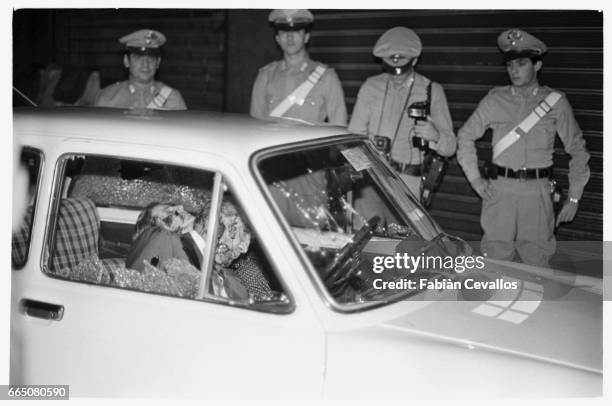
104, 340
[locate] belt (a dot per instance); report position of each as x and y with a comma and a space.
525, 173
406, 169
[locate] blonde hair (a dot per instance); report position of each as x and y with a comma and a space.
146, 219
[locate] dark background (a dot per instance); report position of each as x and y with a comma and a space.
212, 57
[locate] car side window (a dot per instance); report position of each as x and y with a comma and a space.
30, 159
240, 257
144, 226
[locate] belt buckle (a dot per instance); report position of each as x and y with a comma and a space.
399, 166
395, 165
522, 174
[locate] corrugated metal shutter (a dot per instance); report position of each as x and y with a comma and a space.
460, 53
194, 56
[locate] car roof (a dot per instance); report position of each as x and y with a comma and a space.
197, 130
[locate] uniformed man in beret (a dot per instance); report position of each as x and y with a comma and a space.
517, 209
142, 58
383, 102
296, 86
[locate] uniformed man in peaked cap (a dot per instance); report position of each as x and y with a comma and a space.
381, 110
142, 58
296, 86
517, 209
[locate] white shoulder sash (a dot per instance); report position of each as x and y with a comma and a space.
299, 94
160, 99
527, 124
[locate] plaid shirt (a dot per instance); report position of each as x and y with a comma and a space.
76, 235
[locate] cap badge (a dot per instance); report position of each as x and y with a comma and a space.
150, 36
514, 36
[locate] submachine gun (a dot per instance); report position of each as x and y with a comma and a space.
433, 165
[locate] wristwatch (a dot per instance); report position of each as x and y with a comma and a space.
573, 200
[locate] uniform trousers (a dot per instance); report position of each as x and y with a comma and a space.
519, 218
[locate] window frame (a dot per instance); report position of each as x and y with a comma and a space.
41, 164
254, 165
220, 185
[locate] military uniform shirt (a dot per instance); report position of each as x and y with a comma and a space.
277, 80
505, 107
128, 96
378, 114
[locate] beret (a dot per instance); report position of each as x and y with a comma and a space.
398, 40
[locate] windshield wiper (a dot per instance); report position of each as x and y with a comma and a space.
437, 240
448, 245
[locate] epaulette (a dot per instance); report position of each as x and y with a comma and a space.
110, 89
500, 89
269, 66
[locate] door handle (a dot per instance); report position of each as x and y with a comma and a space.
42, 310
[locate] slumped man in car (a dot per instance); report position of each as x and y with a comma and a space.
142, 58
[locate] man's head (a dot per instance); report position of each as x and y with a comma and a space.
143, 54
523, 55
399, 48
168, 216
292, 28
523, 72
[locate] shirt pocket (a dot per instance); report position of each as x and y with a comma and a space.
542, 136
275, 93
273, 97
314, 101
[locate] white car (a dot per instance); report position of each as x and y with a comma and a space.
298, 288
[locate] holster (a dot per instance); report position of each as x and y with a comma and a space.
434, 167
489, 170
555, 196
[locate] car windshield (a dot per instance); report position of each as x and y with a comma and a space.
348, 210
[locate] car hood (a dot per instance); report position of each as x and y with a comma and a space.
552, 316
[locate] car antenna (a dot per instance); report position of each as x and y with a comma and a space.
25, 97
